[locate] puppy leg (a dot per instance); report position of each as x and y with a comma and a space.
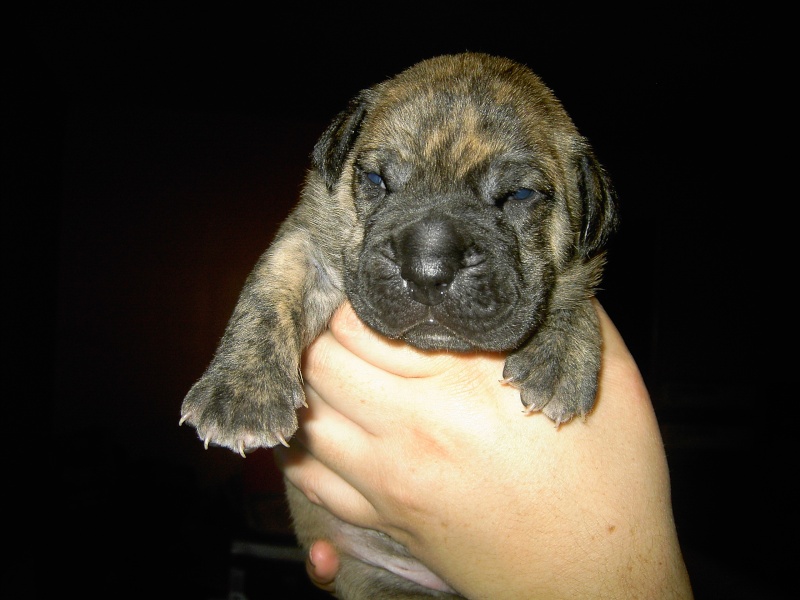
248, 396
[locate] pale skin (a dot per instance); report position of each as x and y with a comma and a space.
434, 450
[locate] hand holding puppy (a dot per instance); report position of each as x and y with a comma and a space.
549, 513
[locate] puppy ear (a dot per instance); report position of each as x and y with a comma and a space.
330, 151
599, 202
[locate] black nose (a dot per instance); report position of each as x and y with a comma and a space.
430, 254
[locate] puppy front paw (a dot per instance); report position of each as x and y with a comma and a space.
557, 370
559, 390
244, 410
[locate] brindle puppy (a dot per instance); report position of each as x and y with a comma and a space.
456, 207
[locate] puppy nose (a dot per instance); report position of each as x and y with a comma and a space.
429, 254
427, 281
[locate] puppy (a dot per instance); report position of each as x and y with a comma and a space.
456, 207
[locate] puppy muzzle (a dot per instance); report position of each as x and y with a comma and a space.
429, 254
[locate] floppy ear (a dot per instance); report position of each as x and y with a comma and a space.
599, 202
330, 151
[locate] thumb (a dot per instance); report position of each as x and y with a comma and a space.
322, 564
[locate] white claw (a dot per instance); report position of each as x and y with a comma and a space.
183, 418
241, 449
282, 440
206, 441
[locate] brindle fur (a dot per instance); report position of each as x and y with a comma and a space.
410, 211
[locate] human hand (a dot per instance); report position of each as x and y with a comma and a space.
433, 450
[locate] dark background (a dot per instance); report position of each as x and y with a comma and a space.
148, 158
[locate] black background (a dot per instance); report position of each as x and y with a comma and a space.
148, 157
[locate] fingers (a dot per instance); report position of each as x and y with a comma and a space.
379, 382
324, 487
343, 379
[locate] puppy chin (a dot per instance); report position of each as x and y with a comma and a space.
431, 335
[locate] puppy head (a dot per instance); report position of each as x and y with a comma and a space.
476, 194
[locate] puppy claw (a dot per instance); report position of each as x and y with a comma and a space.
240, 448
207, 441
183, 419
282, 440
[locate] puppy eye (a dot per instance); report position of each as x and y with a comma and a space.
376, 179
521, 194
